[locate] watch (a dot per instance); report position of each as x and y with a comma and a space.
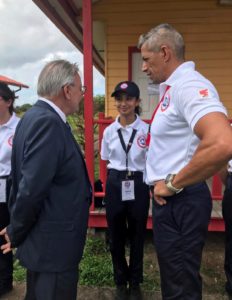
168, 181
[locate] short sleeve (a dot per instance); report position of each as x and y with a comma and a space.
197, 100
105, 146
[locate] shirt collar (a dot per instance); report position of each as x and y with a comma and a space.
11, 122
179, 72
55, 107
133, 125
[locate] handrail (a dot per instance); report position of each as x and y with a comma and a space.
216, 189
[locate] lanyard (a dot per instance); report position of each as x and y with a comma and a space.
126, 149
153, 116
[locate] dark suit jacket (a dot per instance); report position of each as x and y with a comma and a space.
50, 194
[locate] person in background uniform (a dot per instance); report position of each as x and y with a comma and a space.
51, 191
191, 140
127, 196
8, 123
226, 178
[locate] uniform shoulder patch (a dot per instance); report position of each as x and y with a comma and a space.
204, 93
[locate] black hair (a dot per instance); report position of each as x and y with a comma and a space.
7, 94
138, 110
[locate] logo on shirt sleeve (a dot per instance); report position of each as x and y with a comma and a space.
141, 141
205, 93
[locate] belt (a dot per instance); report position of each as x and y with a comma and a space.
125, 174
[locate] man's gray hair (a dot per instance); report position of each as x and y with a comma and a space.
54, 76
163, 34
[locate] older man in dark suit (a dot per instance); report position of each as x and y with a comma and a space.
51, 191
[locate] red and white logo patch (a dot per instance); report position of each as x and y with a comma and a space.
165, 103
141, 141
10, 140
204, 93
124, 86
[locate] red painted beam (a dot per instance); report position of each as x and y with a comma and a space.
88, 82
98, 220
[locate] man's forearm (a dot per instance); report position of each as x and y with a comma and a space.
205, 163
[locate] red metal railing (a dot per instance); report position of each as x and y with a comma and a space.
97, 217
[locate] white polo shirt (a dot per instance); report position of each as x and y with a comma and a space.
173, 142
7, 131
111, 148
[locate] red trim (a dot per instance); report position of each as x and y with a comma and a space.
13, 82
216, 224
131, 50
98, 220
88, 81
153, 116
102, 163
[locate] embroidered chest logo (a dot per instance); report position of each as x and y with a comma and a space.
141, 141
10, 140
165, 103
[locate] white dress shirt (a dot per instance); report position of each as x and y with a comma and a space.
111, 148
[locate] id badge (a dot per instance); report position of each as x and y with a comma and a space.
128, 190
2, 190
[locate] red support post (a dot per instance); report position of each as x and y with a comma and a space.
88, 81
216, 188
102, 164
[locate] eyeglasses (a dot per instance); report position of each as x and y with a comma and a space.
83, 89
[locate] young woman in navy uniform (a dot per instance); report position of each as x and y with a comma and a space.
8, 123
127, 196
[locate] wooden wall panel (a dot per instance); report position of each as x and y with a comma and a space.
206, 27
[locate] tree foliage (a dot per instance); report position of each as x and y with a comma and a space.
77, 123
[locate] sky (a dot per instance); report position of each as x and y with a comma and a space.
28, 39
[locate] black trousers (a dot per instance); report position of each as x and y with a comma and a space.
52, 286
126, 220
180, 229
6, 260
227, 215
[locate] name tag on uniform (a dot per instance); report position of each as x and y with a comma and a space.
128, 190
2, 190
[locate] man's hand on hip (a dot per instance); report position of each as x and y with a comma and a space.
5, 247
160, 191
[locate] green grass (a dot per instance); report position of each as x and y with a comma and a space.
19, 272
96, 267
